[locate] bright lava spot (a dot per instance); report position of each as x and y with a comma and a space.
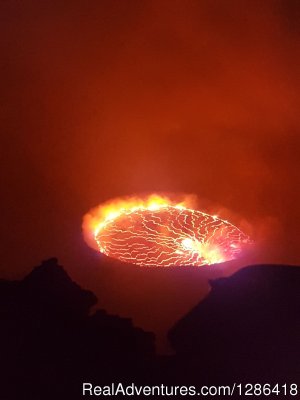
158, 232
187, 243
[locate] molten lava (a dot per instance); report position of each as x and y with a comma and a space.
157, 232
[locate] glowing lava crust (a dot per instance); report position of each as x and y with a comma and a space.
156, 233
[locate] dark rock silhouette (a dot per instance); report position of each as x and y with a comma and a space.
248, 326
50, 344
246, 330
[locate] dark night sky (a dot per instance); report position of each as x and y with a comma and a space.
109, 98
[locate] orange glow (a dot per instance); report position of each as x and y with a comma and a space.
157, 231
